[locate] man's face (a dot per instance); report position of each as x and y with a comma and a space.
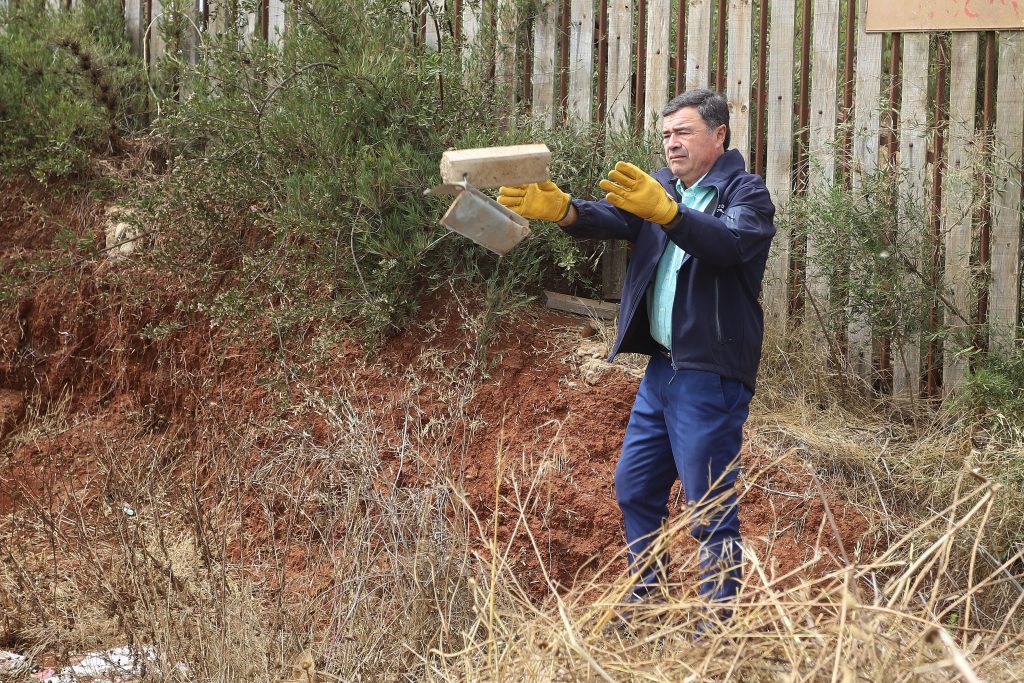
690, 148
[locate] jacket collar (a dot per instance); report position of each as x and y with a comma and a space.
724, 169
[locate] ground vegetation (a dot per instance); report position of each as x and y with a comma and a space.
303, 433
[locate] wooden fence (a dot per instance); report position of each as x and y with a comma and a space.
815, 102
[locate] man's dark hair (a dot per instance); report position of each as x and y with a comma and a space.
711, 106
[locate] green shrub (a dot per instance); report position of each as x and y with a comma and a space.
996, 390
311, 160
69, 86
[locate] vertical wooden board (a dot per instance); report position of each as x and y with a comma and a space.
698, 42
1004, 288
472, 12
434, 17
824, 65
190, 39
134, 14
778, 169
472, 50
252, 24
958, 183
620, 39
505, 61
157, 45
866, 105
822, 122
911, 208
618, 102
219, 15
737, 87
545, 50
866, 117
656, 82
277, 16
581, 61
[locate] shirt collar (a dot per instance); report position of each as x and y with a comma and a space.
680, 188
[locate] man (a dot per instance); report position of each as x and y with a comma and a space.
701, 229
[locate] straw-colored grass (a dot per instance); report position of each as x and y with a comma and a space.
267, 556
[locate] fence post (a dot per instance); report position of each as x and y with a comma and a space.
738, 76
472, 20
911, 204
698, 41
277, 18
157, 44
1004, 291
505, 51
581, 62
545, 42
779, 158
822, 122
134, 23
958, 198
618, 93
866, 118
620, 39
656, 85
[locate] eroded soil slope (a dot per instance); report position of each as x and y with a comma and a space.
533, 422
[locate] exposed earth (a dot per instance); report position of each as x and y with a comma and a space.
540, 407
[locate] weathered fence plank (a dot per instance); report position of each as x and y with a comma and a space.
488, 32
545, 49
134, 20
737, 89
698, 41
620, 38
958, 197
276, 18
618, 101
581, 62
505, 57
472, 23
911, 203
779, 157
656, 85
866, 116
157, 44
433, 17
1004, 290
821, 138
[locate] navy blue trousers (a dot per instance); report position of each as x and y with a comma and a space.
685, 424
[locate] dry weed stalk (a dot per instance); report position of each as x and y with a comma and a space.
230, 564
885, 619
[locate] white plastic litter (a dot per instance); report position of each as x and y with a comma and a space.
118, 665
11, 663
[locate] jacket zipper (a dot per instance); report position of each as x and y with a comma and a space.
718, 319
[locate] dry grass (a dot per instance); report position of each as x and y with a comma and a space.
268, 556
900, 616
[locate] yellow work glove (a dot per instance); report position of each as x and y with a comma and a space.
632, 190
543, 201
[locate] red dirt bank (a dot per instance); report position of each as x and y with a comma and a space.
78, 331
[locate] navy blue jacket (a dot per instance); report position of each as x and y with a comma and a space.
717, 321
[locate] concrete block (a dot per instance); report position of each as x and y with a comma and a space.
494, 166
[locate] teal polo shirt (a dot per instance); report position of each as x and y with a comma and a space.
661, 296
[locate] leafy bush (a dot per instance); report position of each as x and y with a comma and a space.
996, 389
311, 161
868, 249
69, 86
